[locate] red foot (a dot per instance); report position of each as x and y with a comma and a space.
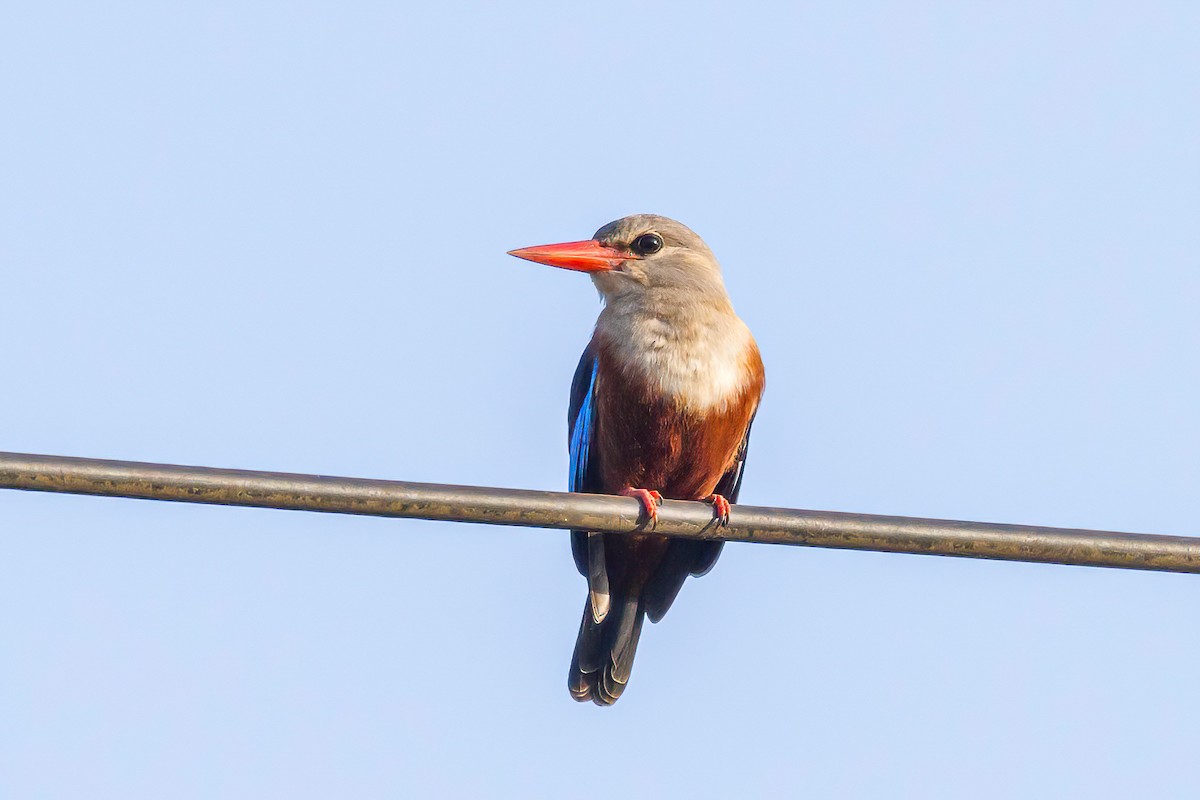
720, 508
649, 499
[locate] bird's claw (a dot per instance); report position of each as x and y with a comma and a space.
650, 501
721, 509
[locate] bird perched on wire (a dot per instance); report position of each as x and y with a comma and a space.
661, 406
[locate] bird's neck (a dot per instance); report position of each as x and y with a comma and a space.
696, 352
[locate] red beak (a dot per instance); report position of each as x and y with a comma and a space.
589, 256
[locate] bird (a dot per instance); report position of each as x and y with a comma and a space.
661, 406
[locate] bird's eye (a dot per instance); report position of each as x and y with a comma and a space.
647, 244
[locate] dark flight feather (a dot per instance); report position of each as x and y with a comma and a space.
584, 472
690, 556
587, 547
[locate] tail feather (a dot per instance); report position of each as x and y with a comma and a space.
589, 647
668, 579
625, 641
598, 577
586, 660
684, 557
608, 690
604, 651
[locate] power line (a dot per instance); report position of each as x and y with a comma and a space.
596, 512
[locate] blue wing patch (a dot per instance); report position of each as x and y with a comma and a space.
581, 434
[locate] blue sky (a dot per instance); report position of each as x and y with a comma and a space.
272, 236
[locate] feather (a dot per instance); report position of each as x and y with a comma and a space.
582, 386
581, 424
597, 576
586, 547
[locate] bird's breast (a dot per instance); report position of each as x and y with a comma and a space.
676, 429
702, 362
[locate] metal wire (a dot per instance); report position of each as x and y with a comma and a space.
597, 513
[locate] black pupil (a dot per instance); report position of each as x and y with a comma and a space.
648, 243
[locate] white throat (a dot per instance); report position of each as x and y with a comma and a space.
697, 355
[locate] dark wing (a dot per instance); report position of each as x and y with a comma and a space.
691, 556
581, 427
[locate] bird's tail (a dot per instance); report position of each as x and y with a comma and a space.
604, 651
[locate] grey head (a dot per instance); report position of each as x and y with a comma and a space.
665, 258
